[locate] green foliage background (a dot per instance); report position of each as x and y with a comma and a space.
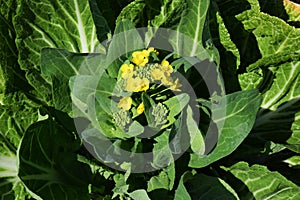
255, 44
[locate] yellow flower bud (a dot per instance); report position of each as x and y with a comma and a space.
125, 103
140, 109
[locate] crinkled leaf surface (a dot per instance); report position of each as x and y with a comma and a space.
56, 24
264, 184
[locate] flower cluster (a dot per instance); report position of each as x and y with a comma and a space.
138, 74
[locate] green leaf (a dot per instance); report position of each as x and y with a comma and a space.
175, 105
169, 12
162, 155
139, 194
273, 35
189, 41
102, 26
13, 124
125, 40
164, 180
293, 143
200, 186
51, 24
48, 163
12, 78
110, 10
196, 137
233, 125
133, 12
264, 184
292, 10
60, 65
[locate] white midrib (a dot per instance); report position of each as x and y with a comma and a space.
82, 35
197, 30
279, 93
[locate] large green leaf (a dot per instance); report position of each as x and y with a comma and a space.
190, 27
164, 180
13, 124
11, 76
153, 13
60, 65
233, 125
264, 184
109, 10
56, 24
133, 12
48, 164
200, 186
293, 142
279, 75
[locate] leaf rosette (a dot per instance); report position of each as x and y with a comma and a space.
142, 94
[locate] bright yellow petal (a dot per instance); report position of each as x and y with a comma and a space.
140, 109
125, 103
164, 63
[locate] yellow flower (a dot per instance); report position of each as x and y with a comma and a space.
126, 70
151, 49
140, 58
125, 103
176, 86
157, 74
166, 67
140, 109
164, 63
167, 79
137, 84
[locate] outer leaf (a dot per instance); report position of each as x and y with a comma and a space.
191, 26
233, 128
201, 186
110, 10
293, 10
164, 180
12, 127
162, 155
11, 76
133, 12
196, 137
48, 163
57, 24
59, 65
293, 143
264, 184
139, 194
169, 12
